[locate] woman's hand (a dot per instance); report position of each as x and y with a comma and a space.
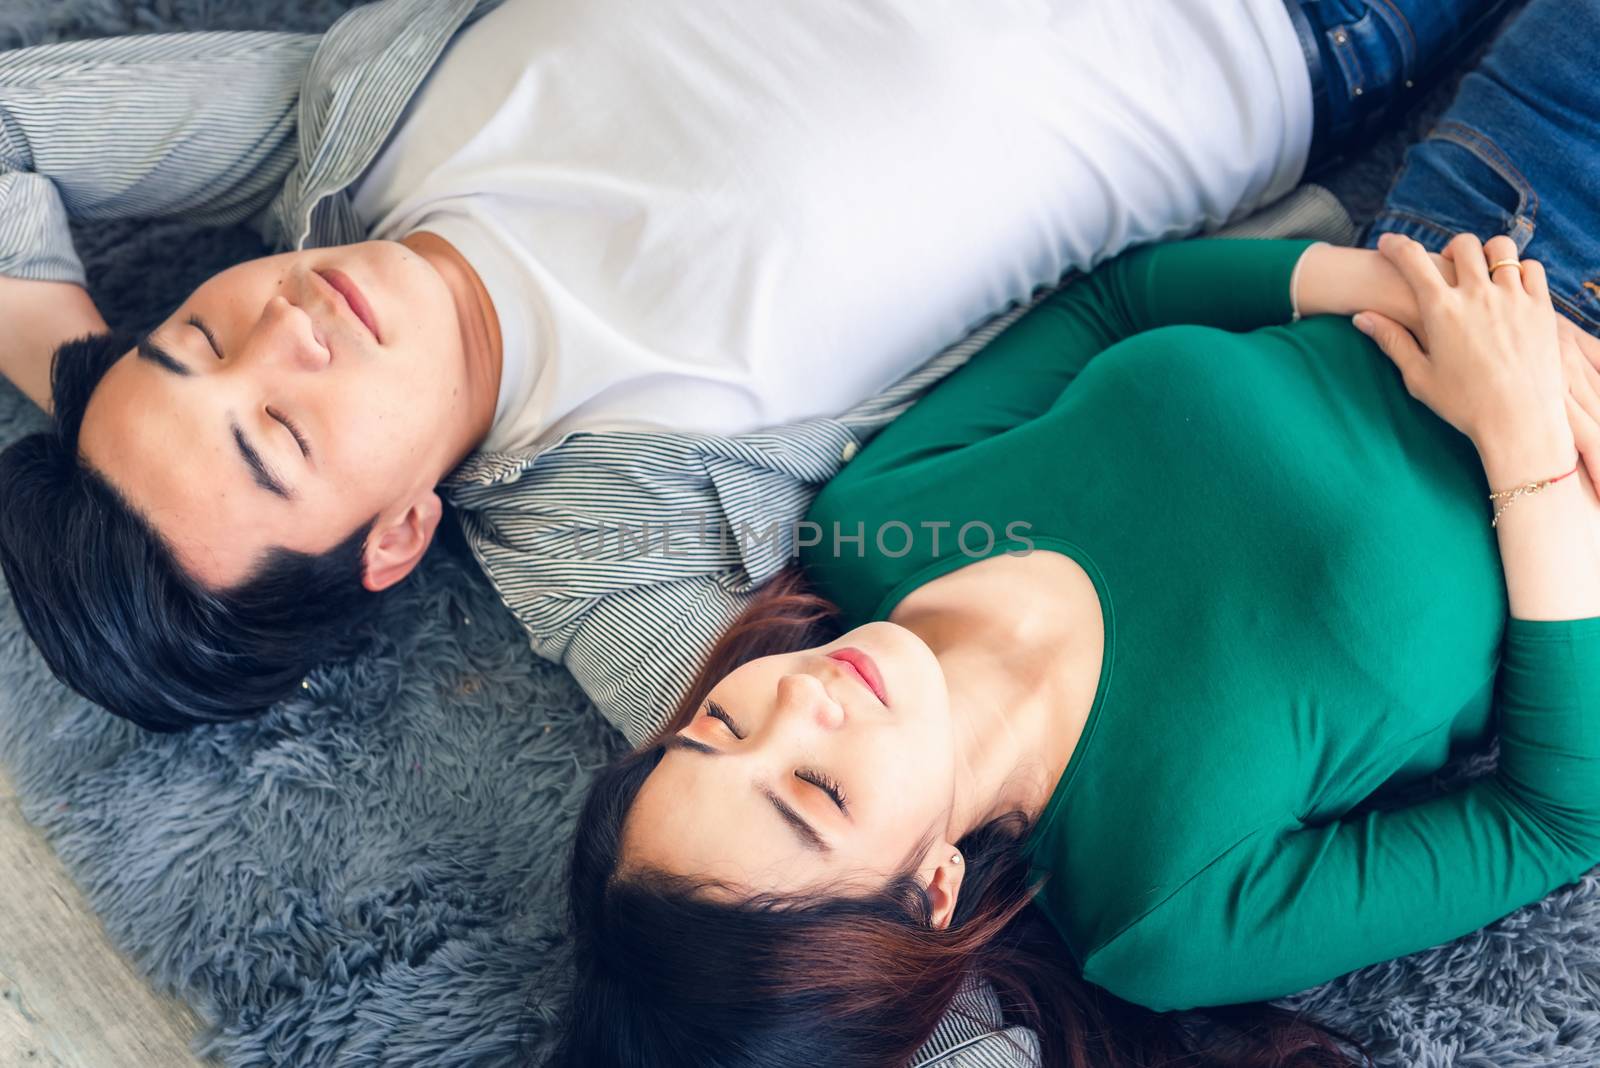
1494, 366
1580, 358
1343, 281
1336, 280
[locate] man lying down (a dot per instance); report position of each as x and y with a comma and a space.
580, 269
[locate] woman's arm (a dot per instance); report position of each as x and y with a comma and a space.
1493, 370
1231, 283
1334, 280
1294, 905
1549, 540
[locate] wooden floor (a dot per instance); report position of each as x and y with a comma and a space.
67, 998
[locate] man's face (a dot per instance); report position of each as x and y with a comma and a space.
266, 413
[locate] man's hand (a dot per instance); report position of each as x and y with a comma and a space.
38, 317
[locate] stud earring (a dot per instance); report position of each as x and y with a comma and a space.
956, 859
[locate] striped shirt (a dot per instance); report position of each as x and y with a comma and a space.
623, 554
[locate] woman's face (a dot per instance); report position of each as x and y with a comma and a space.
795, 773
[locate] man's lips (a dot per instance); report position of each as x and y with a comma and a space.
354, 299
863, 666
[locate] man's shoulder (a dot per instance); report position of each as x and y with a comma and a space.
811, 450
365, 70
372, 30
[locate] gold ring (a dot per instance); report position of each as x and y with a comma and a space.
1497, 264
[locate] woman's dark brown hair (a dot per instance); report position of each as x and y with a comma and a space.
668, 976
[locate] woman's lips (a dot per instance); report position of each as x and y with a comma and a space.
353, 297
863, 666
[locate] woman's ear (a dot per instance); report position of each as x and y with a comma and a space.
944, 884
395, 545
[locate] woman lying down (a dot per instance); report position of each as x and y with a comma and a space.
1132, 610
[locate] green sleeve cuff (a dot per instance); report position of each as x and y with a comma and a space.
1232, 283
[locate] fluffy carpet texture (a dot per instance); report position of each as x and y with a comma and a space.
370, 875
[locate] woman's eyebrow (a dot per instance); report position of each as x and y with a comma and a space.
678, 741
803, 830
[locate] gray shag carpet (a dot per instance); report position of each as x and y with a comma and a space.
370, 875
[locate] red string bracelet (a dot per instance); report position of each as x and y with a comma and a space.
1527, 487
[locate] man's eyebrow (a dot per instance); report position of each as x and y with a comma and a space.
258, 468
149, 349
803, 830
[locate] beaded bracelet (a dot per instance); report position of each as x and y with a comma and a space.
1507, 496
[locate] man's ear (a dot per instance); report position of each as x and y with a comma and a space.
395, 545
944, 884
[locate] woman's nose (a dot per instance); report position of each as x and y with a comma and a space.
807, 700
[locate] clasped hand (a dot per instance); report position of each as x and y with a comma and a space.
1489, 354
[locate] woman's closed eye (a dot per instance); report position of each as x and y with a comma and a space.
818, 779
826, 785
716, 711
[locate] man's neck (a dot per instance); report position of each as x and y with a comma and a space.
481, 344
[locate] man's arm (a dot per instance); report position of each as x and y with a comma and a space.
198, 125
39, 316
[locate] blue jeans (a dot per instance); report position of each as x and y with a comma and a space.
1518, 153
1368, 58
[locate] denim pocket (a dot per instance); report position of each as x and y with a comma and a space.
1375, 53
1457, 179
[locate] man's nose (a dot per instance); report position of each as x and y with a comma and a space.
289, 334
804, 700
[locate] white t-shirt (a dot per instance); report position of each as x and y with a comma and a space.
719, 215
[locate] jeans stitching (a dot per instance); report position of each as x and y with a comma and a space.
1415, 220
1575, 313
1410, 61
1490, 153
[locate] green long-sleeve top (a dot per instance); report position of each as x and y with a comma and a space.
1302, 599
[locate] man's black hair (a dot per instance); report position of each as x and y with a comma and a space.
114, 614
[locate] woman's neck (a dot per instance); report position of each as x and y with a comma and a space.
1020, 641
